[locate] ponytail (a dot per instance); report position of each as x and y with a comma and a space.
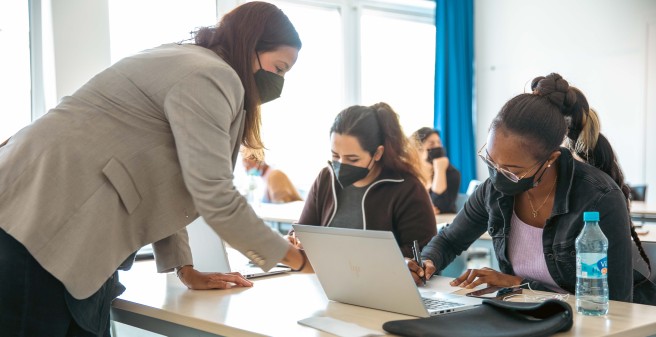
399, 154
595, 149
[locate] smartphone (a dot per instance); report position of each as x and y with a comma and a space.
494, 292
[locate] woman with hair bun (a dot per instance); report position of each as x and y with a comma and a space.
533, 202
372, 182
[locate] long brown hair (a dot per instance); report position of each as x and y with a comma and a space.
379, 125
251, 28
417, 139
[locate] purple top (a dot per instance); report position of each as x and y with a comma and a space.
526, 254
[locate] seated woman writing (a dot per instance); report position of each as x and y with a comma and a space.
532, 205
372, 182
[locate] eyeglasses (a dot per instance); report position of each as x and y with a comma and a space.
510, 175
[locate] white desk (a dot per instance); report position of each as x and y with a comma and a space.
644, 213
444, 218
160, 303
291, 212
643, 208
280, 213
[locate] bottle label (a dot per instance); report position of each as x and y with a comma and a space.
591, 265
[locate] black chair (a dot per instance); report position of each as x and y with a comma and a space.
638, 192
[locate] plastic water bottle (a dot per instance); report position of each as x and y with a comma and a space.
254, 193
591, 268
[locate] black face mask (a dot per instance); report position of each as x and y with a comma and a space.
348, 174
506, 186
434, 153
269, 85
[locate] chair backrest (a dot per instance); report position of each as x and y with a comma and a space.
638, 192
472, 186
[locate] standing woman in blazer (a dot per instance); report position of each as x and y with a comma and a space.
372, 182
131, 158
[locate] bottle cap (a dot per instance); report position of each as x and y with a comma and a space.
591, 216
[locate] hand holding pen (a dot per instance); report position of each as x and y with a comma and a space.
294, 240
416, 253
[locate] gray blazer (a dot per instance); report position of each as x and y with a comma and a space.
131, 158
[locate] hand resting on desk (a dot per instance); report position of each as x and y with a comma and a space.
197, 280
472, 278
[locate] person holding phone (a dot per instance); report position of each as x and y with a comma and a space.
440, 178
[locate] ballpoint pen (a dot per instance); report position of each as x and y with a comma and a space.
417, 255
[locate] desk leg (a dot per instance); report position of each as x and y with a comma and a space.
155, 325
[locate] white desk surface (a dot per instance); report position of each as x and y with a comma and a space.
274, 304
290, 212
284, 213
643, 208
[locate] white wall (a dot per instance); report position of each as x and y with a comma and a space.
599, 46
650, 116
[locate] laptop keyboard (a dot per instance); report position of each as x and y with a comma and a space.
435, 304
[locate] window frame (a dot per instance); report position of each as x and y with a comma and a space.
415, 10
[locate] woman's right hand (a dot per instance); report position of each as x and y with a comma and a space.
297, 260
440, 164
419, 273
294, 240
197, 280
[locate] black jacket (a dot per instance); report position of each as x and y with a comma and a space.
446, 201
580, 188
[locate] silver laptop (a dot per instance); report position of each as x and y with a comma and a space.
210, 254
367, 268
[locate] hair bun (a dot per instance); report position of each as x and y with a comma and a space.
556, 89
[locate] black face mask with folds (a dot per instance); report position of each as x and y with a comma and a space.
269, 85
434, 153
348, 174
508, 187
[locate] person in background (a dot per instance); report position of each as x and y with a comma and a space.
440, 178
372, 181
533, 202
278, 188
590, 146
131, 158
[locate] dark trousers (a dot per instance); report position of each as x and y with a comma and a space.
32, 301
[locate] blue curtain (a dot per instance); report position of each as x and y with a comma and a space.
454, 78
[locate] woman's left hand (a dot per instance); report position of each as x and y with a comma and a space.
196, 280
475, 277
